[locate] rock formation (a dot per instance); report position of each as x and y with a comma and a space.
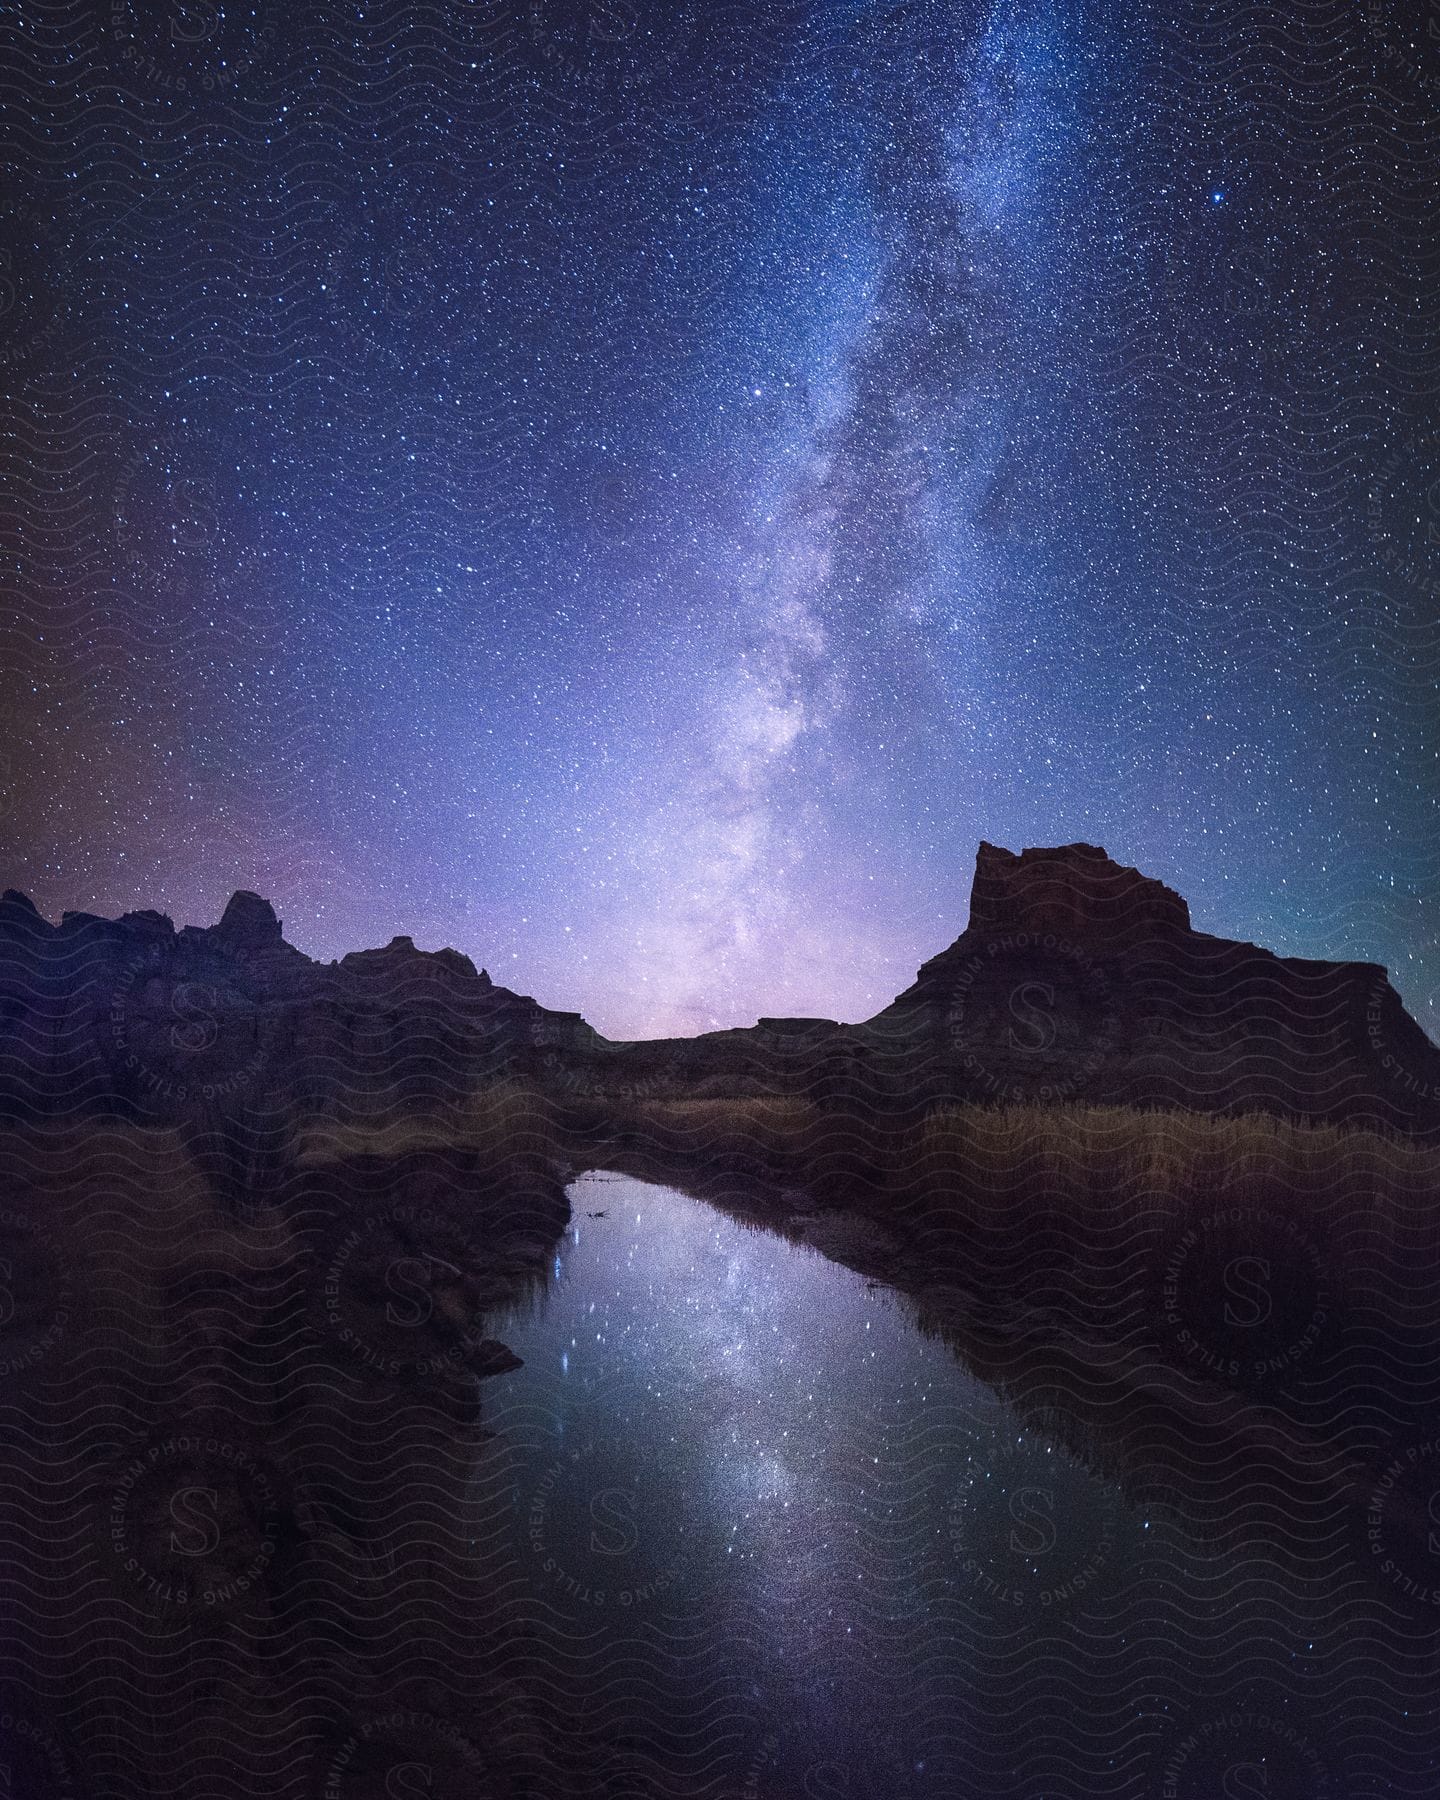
1076, 890
1080, 980
135, 1019
1076, 979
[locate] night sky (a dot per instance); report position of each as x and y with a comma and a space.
637, 494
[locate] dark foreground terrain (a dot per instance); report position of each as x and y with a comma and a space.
1175, 1198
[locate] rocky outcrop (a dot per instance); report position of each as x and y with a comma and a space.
230, 1023
1076, 890
248, 922
1079, 979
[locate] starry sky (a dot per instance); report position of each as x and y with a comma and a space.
638, 493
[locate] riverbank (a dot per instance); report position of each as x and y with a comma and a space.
245, 1390
1170, 1293
242, 1424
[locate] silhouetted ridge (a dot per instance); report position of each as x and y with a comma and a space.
1076, 978
1075, 888
133, 1018
1080, 979
247, 920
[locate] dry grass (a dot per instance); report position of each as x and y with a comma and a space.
496, 1124
1078, 1187
1089, 1157
1098, 1164
128, 1238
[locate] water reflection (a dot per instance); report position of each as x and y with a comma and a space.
770, 1532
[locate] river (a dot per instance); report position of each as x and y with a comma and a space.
773, 1540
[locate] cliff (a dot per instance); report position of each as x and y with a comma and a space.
133, 1018
1079, 979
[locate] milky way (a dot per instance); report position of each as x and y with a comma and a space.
637, 494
